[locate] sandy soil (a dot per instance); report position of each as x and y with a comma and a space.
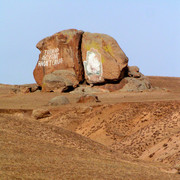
128, 135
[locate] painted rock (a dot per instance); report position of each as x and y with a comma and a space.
102, 58
61, 51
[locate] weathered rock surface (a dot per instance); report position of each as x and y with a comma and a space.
29, 88
134, 81
129, 84
72, 56
26, 88
88, 99
59, 80
40, 113
59, 100
135, 84
114, 87
133, 71
60, 51
102, 57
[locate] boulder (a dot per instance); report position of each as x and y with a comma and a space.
129, 84
135, 84
59, 100
133, 71
102, 58
29, 88
61, 51
59, 80
88, 99
40, 113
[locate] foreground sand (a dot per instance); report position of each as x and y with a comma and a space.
125, 136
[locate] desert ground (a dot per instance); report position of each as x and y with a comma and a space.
127, 135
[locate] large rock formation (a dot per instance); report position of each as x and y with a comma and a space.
102, 57
72, 56
60, 51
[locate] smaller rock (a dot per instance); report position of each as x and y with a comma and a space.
88, 99
34, 88
25, 89
59, 100
88, 90
15, 89
135, 84
59, 80
133, 71
40, 113
113, 87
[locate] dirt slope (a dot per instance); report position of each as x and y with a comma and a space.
143, 130
125, 136
33, 150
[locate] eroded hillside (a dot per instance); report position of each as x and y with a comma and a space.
124, 136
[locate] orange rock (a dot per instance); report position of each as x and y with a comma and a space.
61, 51
102, 58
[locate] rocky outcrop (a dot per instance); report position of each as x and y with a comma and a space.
26, 88
133, 71
71, 57
135, 84
102, 57
60, 51
133, 81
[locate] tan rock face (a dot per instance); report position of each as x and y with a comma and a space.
59, 80
61, 51
40, 113
102, 58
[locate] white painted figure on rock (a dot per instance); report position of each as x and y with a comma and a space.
93, 65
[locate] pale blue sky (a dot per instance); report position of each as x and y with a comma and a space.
148, 31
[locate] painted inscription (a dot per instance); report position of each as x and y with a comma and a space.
93, 65
50, 58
